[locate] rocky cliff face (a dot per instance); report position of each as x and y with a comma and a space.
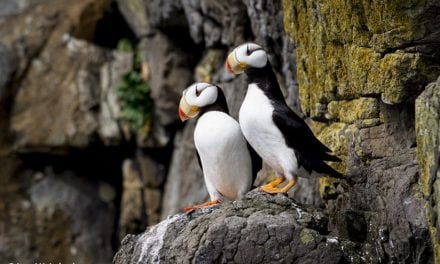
428, 147
360, 67
76, 179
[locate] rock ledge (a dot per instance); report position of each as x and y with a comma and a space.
260, 228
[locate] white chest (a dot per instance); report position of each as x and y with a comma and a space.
224, 155
261, 132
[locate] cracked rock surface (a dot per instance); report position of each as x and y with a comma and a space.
261, 228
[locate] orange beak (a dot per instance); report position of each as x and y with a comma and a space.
182, 115
233, 65
187, 111
227, 66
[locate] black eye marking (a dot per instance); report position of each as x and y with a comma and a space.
250, 51
197, 91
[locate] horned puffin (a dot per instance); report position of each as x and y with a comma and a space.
278, 135
228, 162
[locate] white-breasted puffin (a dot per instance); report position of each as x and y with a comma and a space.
228, 162
278, 135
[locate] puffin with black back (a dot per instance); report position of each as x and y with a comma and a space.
278, 135
228, 162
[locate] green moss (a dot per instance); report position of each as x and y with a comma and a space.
307, 236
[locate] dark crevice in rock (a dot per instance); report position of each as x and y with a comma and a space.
415, 47
111, 28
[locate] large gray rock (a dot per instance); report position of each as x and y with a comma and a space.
258, 229
83, 89
56, 72
54, 216
170, 73
217, 22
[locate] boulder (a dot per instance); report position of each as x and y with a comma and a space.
258, 229
83, 88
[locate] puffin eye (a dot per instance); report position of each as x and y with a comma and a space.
248, 52
197, 91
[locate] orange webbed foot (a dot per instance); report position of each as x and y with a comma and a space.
195, 207
272, 189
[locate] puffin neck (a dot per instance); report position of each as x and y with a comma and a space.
219, 105
266, 80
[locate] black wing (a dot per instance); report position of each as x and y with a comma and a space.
257, 162
311, 153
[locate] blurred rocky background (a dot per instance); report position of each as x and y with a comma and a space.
91, 148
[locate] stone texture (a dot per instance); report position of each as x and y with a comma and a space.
170, 74
215, 22
354, 110
83, 88
135, 15
78, 87
52, 217
428, 153
141, 194
54, 207
132, 216
258, 229
361, 64
362, 48
13, 7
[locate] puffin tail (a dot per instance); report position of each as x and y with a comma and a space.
330, 157
330, 171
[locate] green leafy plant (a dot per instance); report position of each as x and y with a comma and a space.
136, 104
134, 92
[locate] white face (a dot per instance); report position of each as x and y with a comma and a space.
244, 56
200, 94
194, 97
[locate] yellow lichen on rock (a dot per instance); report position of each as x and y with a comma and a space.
335, 136
351, 49
428, 155
353, 110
